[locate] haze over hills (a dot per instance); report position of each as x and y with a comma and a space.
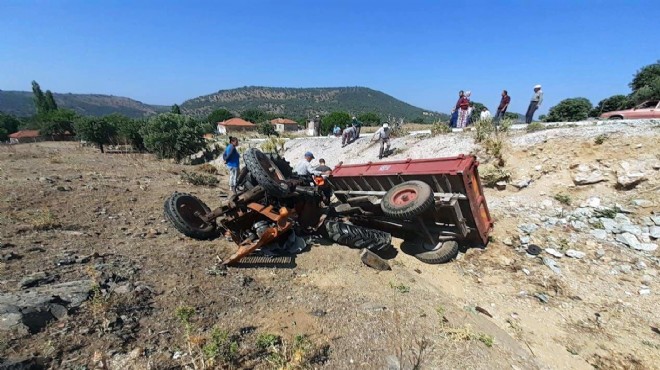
21, 103
290, 102
303, 102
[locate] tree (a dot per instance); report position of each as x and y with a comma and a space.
39, 99
219, 115
97, 130
8, 125
476, 111
254, 115
266, 128
51, 105
369, 119
512, 116
646, 83
341, 119
176, 109
573, 109
170, 135
614, 102
57, 122
128, 129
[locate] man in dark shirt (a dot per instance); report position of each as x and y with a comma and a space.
504, 104
325, 170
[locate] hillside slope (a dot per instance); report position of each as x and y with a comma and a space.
303, 102
20, 103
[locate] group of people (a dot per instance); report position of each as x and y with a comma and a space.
463, 109
350, 133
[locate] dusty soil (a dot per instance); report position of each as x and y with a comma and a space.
109, 208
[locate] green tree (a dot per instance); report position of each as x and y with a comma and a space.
254, 115
171, 135
219, 115
369, 119
51, 105
512, 116
646, 83
176, 109
615, 102
39, 99
543, 117
341, 119
8, 125
266, 128
128, 129
57, 122
418, 120
476, 111
573, 109
97, 130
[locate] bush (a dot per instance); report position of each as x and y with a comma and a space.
171, 135
646, 83
273, 145
483, 129
57, 122
439, 128
128, 130
573, 109
505, 125
535, 126
615, 102
219, 115
341, 119
369, 119
199, 179
8, 125
97, 130
266, 128
491, 175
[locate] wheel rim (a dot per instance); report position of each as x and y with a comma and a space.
404, 197
270, 167
186, 207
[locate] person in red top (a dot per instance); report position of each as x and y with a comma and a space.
504, 104
462, 106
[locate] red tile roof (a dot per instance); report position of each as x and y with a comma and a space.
24, 134
236, 122
284, 121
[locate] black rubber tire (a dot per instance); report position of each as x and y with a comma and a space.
185, 221
616, 118
268, 176
281, 163
423, 201
443, 253
245, 181
358, 237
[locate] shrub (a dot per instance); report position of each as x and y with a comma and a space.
573, 109
207, 168
199, 179
505, 125
615, 102
369, 119
273, 145
483, 129
97, 130
266, 128
439, 128
341, 119
491, 175
220, 347
535, 126
600, 139
563, 199
171, 135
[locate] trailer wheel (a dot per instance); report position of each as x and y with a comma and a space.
180, 209
266, 173
407, 200
424, 251
358, 237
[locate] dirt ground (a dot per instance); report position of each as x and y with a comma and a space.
329, 310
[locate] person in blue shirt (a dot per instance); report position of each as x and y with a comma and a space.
232, 159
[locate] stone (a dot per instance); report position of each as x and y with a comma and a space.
656, 220
646, 247
628, 176
500, 185
552, 265
640, 265
632, 229
646, 221
642, 203
609, 224
600, 253
644, 291
575, 254
626, 269
593, 202
579, 225
587, 175
526, 271
35, 279
58, 311
521, 184
645, 237
646, 279
654, 232
599, 234
524, 239
622, 219
553, 252
527, 228
508, 242
629, 240
372, 260
542, 297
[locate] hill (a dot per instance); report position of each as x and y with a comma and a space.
20, 103
303, 102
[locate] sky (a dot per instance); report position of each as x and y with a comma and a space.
422, 52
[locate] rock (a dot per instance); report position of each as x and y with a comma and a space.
542, 297
553, 252
10, 256
646, 279
64, 188
622, 219
521, 184
609, 224
599, 234
628, 176
644, 291
645, 237
372, 260
527, 228
654, 232
593, 202
35, 279
600, 253
656, 220
525, 271
642, 203
547, 203
647, 247
500, 185
629, 240
632, 229
626, 269
579, 225
58, 311
575, 254
647, 221
552, 265
508, 242
524, 239
586, 175
392, 363
640, 265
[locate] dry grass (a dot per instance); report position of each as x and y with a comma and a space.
199, 179
44, 220
207, 168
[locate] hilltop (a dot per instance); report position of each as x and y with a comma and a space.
303, 102
20, 103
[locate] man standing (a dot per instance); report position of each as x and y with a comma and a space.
325, 170
305, 167
317, 125
534, 104
504, 104
232, 160
485, 114
347, 136
358, 125
383, 135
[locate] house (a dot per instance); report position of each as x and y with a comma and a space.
235, 125
284, 124
25, 136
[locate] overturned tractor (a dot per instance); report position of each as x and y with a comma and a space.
434, 205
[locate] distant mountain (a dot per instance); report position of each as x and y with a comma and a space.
304, 102
20, 103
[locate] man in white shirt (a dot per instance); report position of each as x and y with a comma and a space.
383, 135
534, 104
485, 114
305, 167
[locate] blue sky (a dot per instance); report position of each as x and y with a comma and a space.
422, 52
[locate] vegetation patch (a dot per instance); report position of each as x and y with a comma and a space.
563, 199
440, 128
44, 220
535, 126
199, 179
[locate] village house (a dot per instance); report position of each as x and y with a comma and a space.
284, 124
25, 136
235, 125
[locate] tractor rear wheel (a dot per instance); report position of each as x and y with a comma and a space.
180, 209
407, 200
266, 173
358, 237
426, 252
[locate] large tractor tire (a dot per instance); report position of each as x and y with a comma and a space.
180, 209
282, 164
358, 237
442, 252
245, 181
266, 173
407, 200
